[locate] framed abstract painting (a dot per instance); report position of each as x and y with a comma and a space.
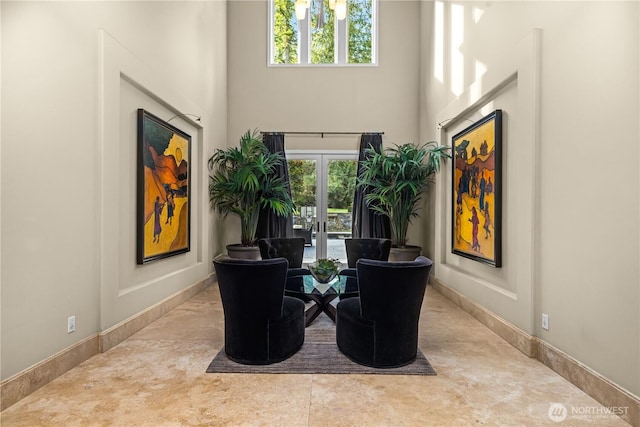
163, 193
477, 191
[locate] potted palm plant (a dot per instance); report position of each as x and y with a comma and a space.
242, 182
396, 179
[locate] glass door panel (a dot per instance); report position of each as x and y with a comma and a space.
340, 187
303, 178
322, 187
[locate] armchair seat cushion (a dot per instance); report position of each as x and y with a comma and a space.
381, 345
354, 335
286, 334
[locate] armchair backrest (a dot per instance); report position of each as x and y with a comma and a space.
291, 248
366, 248
251, 291
392, 292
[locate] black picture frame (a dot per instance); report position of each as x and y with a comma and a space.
163, 192
476, 231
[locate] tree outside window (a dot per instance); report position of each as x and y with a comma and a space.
285, 33
320, 37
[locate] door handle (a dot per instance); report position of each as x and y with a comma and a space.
324, 227
318, 226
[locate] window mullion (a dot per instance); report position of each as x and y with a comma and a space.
304, 39
341, 41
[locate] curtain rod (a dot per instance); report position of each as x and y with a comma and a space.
322, 134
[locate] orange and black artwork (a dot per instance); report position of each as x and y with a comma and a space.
476, 192
163, 189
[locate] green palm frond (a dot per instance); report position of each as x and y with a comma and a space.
242, 181
396, 180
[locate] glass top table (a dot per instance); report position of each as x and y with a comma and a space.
321, 294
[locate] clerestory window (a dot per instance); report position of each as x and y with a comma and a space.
322, 32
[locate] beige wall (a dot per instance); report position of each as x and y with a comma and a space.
359, 99
382, 98
73, 74
578, 225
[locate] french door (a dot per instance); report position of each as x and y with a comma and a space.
322, 187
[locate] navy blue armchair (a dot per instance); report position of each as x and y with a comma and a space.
379, 328
261, 324
291, 248
365, 248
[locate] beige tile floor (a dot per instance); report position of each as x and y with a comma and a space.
157, 378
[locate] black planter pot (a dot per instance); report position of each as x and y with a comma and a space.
238, 251
406, 253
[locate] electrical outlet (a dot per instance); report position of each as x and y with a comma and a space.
71, 324
545, 321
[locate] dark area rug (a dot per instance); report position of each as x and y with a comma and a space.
318, 355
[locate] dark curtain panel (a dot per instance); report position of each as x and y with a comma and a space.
365, 222
269, 224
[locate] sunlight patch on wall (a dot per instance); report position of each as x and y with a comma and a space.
476, 88
438, 48
477, 14
488, 108
457, 58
